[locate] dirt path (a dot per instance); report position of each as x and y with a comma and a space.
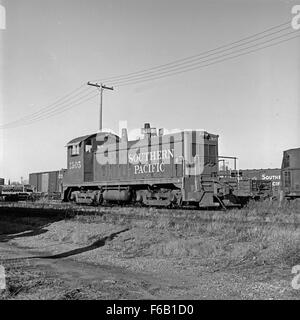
75, 280
33, 278
91, 281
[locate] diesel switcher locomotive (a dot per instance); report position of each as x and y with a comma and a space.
157, 170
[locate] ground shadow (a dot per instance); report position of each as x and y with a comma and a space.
25, 222
29, 233
97, 244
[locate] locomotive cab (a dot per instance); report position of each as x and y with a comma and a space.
81, 157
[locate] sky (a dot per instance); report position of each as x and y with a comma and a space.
49, 48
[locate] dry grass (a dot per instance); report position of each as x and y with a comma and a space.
261, 232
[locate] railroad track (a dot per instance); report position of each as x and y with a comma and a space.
60, 206
131, 213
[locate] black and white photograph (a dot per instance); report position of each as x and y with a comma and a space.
149, 152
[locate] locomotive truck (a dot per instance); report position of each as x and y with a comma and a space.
156, 170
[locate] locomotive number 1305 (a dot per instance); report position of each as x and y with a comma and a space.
75, 165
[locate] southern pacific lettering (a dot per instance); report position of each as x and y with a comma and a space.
154, 161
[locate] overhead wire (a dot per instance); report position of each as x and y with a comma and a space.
193, 57
58, 110
57, 104
199, 64
158, 72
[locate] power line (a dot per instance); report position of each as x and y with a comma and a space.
198, 58
197, 65
50, 113
187, 63
51, 106
206, 65
176, 67
54, 114
162, 66
190, 69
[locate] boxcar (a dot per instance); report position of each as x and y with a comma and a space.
47, 183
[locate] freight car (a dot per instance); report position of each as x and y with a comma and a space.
264, 175
16, 193
246, 189
290, 173
47, 184
259, 183
159, 170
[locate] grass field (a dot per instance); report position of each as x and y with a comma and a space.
260, 242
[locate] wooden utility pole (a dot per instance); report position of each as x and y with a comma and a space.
101, 87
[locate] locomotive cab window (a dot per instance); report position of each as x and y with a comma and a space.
75, 151
88, 146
